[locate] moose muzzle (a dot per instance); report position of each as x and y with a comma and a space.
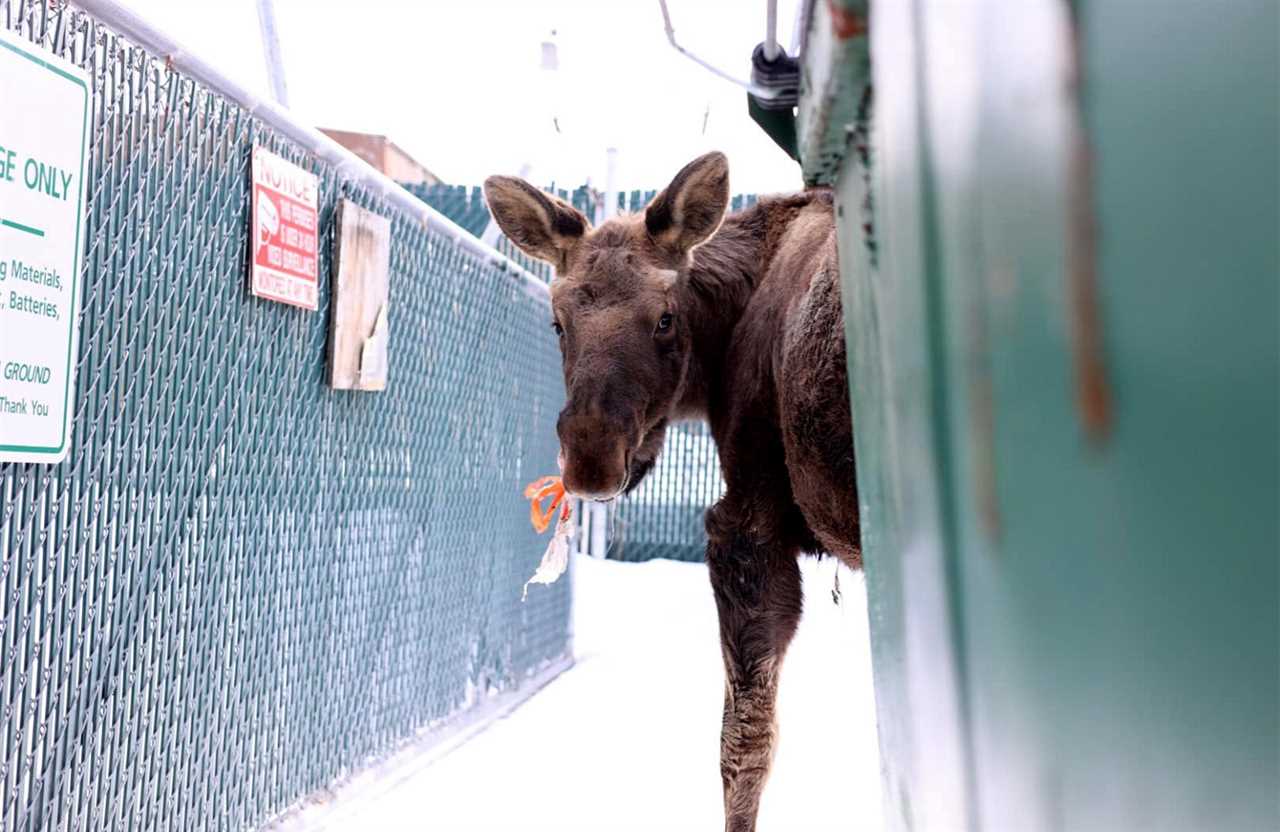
597, 438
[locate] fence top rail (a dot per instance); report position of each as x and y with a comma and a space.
346, 164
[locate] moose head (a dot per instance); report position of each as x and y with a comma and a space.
619, 308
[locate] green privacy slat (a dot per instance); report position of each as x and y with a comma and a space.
663, 517
241, 585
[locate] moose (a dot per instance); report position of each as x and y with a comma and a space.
683, 313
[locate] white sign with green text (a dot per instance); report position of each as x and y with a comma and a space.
44, 130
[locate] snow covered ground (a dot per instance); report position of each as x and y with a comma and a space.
628, 739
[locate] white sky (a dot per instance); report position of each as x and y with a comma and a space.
458, 83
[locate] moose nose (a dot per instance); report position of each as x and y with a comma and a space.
595, 454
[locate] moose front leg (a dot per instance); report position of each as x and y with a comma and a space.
758, 598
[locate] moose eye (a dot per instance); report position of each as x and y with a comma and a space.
664, 323
558, 329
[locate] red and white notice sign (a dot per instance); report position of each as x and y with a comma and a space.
285, 203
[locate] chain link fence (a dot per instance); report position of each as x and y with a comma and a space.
663, 517
241, 585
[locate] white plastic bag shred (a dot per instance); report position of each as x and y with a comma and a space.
556, 559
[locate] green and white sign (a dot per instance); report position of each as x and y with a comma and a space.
44, 131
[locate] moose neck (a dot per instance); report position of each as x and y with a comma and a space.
725, 273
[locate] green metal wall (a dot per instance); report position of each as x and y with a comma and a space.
241, 584
1059, 254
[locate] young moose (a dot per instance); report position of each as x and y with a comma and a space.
675, 314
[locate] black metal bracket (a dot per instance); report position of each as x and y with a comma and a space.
780, 76
776, 114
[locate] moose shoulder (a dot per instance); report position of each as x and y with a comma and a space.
682, 312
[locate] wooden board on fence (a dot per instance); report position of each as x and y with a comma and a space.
359, 331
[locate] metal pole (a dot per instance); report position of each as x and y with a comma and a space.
271, 51
771, 32
611, 183
599, 546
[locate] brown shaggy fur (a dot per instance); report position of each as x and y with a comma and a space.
676, 315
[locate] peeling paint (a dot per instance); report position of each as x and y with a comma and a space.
846, 23
860, 136
1093, 394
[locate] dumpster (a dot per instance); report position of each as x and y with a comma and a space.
1058, 239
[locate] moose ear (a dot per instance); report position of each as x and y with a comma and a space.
689, 210
539, 224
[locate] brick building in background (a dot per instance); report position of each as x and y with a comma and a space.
385, 155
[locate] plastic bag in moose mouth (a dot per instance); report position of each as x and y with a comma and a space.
556, 558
